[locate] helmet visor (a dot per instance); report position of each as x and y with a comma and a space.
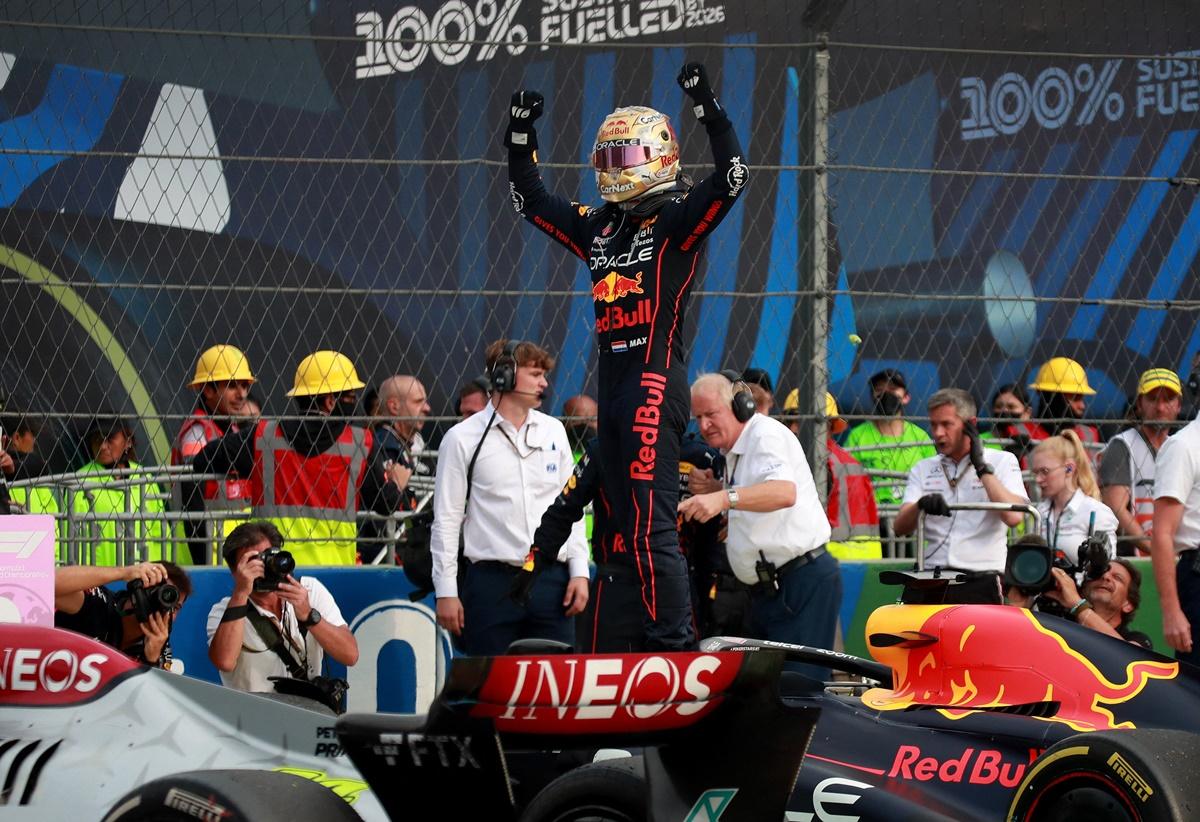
611, 156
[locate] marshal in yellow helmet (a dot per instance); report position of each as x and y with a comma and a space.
221, 363
1062, 375
325, 372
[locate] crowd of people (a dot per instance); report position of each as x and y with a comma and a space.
705, 516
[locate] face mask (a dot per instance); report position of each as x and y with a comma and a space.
1005, 415
888, 404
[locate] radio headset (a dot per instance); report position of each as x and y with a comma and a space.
743, 401
503, 376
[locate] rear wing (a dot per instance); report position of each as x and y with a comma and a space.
707, 721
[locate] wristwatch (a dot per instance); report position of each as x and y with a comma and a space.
314, 616
733, 498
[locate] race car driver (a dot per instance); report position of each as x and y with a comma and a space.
612, 622
642, 248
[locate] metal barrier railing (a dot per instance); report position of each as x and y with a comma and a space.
1026, 509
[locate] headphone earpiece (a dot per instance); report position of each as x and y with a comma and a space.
504, 370
743, 403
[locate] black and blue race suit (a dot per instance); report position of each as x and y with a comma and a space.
612, 623
642, 272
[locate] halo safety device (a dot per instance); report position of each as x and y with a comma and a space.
221, 363
504, 370
635, 153
1062, 375
325, 372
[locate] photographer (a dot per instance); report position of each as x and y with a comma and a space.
136, 621
1106, 604
273, 625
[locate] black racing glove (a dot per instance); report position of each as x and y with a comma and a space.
693, 79
971, 429
522, 584
934, 505
524, 108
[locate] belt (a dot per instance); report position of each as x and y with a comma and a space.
497, 563
788, 567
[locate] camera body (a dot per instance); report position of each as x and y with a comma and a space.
1031, 560
157, 599
277, 565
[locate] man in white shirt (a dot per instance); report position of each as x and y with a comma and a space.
777, 525
963, 471
1176, 537
498, 471
299, 618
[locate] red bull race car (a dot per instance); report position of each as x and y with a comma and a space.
965, 712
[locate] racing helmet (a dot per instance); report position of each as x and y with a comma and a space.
636, 153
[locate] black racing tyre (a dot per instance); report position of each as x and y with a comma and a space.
1113, 776
610, 791
232, 796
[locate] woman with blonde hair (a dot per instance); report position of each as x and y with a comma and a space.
1070, 506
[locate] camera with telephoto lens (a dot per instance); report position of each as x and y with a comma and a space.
157, 599
277, 565
1031, 562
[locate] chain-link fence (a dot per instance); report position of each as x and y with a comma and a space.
959, 192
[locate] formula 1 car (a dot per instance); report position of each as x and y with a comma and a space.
992, 712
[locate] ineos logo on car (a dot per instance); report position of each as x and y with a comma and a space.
31, 669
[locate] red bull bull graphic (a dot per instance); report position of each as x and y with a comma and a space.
944, 656
613, 287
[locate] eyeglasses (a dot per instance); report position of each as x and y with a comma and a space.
1045, 472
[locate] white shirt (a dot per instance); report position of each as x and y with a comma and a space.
967, 540
256, 662
767, 450
1066, 529
1176, 475
518, 473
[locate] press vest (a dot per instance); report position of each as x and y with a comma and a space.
312, 500
1141, 474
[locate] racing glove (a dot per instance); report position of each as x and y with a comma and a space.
934, 505
971, 429
524, 108
693, 79
522, 584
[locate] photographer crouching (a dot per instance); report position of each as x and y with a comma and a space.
136, 621
273, 632
1105, 600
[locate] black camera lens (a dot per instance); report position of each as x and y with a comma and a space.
1028, 566
166, 596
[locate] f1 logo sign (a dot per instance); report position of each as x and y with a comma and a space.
21, 543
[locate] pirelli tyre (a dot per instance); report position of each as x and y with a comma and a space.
1104, 776
610, 791
232, 796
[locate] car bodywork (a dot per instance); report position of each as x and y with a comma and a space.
966, 700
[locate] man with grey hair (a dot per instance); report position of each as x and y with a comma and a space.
404, 406
777, 529
963, 471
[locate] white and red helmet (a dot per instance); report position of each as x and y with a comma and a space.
636, 153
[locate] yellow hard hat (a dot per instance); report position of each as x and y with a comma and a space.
221, 363
1159, 378
791, 404
325, 372
1062, 375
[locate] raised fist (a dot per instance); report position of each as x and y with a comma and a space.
526, 106
693, 79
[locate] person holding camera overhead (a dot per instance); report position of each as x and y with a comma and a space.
1070, 507
273, 625
136, 621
